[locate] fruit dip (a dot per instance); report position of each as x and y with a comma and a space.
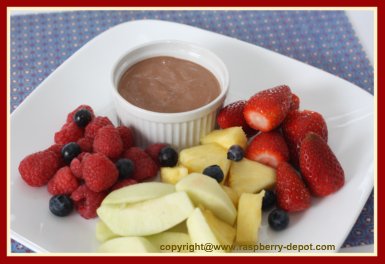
168, 85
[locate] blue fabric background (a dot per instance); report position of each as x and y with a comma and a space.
324, 39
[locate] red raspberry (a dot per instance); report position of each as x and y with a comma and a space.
63, 182
95, 125
99, 173
145, 167
108, 142
56, 148
76, 165
123, 183
70, 132
85, 144
127, 136
38, 168
153, 150
70, 116
86, 201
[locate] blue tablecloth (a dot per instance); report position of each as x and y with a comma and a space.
324, 39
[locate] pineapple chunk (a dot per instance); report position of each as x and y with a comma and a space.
226, 137
247, 176
234, 197
197, 158
224, 232
172, 174
249, 218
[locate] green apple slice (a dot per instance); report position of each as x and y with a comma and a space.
127, 245
173, 242
103, 233
204, 190
148, 217
138, 193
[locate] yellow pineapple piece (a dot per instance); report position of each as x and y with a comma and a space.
224, 232
249, 218
226, 137
234, 197
247, 176
173, 174
197, 158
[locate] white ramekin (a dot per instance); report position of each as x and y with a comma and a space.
182, 129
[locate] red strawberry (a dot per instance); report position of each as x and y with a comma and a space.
292, 194
266, 110
153, 150
232, 115
99, 173
127, 136
63, 182
97, 123
108, 142
38, 168
145, 167
70, 116
123, 183
86, 201
294, 102
297, 124
319, 166
70, 132
268, 148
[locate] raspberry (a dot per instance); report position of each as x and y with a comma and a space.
85, 144
56, 148
70, 132
86, 201
99, 173
76, 165
153, 150
108, 142
63, 182
122, 183
95, 125
38, 168
127, 136
145, 167
70, 116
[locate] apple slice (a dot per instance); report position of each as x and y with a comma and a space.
148, 217
247, 176
103, 233
249, 218
205, 228
138, 193
204, 190
174, 242
128, 245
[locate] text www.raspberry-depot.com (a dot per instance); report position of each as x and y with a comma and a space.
209, 247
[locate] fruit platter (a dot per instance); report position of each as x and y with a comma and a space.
280, 168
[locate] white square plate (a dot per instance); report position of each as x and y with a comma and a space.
85, 78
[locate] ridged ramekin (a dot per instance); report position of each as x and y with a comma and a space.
183, 129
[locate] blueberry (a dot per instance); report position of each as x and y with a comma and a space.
168, 157
60, 205
278, 219
70, 151
82, 117
125, 168
214, 171
268, 200
235, 153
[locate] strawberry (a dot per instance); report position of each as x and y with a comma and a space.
268, 148
294, 102
297, 124
319, 166
232, 115
292, 194
145, 167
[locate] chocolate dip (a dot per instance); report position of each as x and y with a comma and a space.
168, 85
